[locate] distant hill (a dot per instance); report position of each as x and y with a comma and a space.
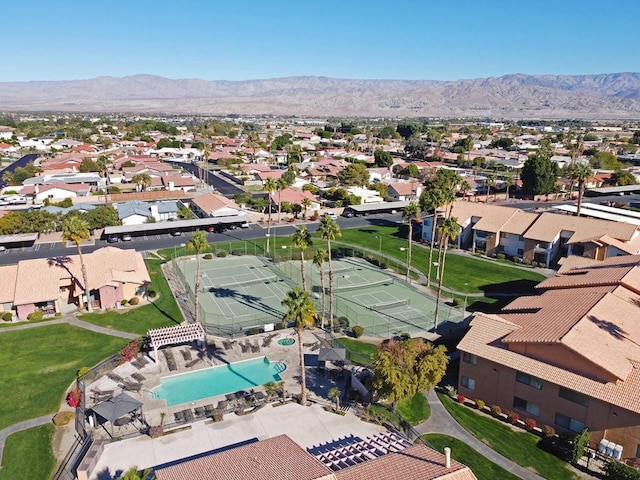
605, 96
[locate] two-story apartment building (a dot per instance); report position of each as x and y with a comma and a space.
568, 357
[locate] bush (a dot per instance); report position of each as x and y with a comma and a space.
513, 417
73, 399
548, 431
344, 322
35, 315
207, 256
480, 404
152, 294
58, 314
134, 301
156, 431
237, 252
82, 371
221, 254
124, 301
461, 398
279, 326
496, 411
456, 302
357, 331
501, 256
254, 331
61, 419
451, 391
530, 424
7, 316
619, 471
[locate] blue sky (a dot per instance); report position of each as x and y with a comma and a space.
239, 40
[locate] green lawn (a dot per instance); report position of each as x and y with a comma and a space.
414, 409
162, 312
519, 447
482, 468
29, 454
40, 363
359, 351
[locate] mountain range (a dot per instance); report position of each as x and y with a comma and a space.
517, 96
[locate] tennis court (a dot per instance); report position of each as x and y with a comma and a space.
236, 293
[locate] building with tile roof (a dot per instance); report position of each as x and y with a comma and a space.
55, 284
568, 357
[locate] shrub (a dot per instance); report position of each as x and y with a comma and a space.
344, 322
58, 314
207, 256
501, 256
237, 252
461, 398
451, 391
456, 302
130, 352
254, 331
480, 404
61, 419
357, 331
221, 254
513, 417
35, 315
496, 411
530, 424
156, 431
619, 471
124, 301
7, 316
134, 301
548, 431
73, 399
279, 326
82, 371
152, 294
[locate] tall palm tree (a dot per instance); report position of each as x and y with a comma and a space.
448, 229
491, 181
302, 310
142, 180
301, 239
270, 187
431, 200
465, 188
306, 204
410, 212
280, 185
319, 258
199, 243
133, 474
509, 182
329, 230
579, 172
76, 229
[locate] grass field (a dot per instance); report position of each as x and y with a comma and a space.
520, 447
483, 468
162, 312
359, 351
414, 409
40, 363
29, 454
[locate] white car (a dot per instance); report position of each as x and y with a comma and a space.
331, 215
126, 237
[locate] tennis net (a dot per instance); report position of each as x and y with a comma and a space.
394, 303
346, 268
252, 281
359, 286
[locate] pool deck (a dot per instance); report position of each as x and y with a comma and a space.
307, 426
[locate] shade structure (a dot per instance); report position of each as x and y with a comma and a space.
116, 407
332, 354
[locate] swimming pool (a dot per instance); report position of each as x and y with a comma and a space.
209, 382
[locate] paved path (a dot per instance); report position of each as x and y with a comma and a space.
440, 421
71, 319
18, 427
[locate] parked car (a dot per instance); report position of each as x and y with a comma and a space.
126, 237
176, 234
113, 239
331, 215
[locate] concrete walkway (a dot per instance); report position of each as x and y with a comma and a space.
71, 319
18, 427
441, 421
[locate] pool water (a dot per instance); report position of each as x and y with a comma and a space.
286, 341
209, 382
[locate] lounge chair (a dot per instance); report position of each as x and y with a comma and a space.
138, 377
186, 354
208, 409
115, 377
188, 415
179, 417
199, 412
101, 395
192, 363
131, 387
138, 364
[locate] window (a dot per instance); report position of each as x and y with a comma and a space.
638, 451
569, 423
467, 382
469, 358
525, 406
520, 251
520, 238
530, 380
574, 397
503, 235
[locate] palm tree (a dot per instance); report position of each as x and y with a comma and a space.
465, 188
410, 212
269, 186
431, 200
280, 185
142, 179
133, 474
491, 181
319, 258
334, 394
329, 230
302, 310
306, 204
76, 229
579, 172
199, 243
509, 182
302, 239
448, 229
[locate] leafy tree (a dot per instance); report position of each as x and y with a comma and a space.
579, 172
539, 175
88, 165
301, 239
382, 158
329, 230
319, 258
407, 129
280, 141
403, 368
504, 142
409, 171
75, 229
449, 229
580, 442
199, 243
302, 310
411, 211
387, 132
416, 148
354, 174
605, 160
102, 216
381, 188
621, 178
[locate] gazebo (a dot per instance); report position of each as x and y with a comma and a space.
116, 408
187, 332
331, 355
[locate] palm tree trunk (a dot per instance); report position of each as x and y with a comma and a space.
83, 269
303, 376
439, 293
409, 252
433, 238
197, 289
279, 207
330, 286
580, 194
324, 292
304, 280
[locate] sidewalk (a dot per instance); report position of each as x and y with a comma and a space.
18, 427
